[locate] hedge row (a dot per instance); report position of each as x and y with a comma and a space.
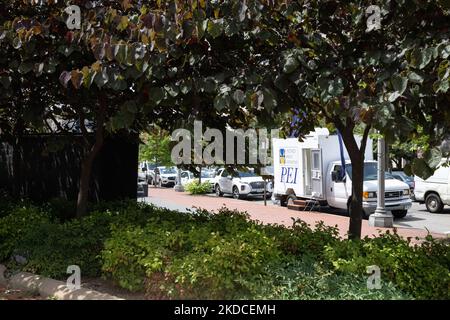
225, 255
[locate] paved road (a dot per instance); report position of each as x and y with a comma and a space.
162, 203
417, 218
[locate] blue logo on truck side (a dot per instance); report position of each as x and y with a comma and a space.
289, 175
282, 156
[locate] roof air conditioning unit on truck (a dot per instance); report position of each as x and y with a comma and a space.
317, 170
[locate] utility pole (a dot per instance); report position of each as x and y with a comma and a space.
381, 217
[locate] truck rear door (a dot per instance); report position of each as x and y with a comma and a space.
316, 173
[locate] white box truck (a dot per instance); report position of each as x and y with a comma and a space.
434, 191
312, 170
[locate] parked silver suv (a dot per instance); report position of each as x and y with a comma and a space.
240, 184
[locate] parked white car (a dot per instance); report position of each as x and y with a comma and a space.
146, 172
207, 176
240, 184
165, 176
186, 177
435, 191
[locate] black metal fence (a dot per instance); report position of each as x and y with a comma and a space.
43, 167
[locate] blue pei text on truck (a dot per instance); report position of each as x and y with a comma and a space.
289, 175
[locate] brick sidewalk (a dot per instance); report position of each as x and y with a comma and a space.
275, 214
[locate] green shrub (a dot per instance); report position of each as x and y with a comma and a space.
6, 204
51, 247
16, 224
195, 259
194, 187
305, 279
217, 255
123, 254
61, 209
301, 239
134, 252
420, 270
215, 268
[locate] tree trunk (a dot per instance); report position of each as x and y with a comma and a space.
85, 180
86, 166
356, 210
16, 167
357, 159
16, 142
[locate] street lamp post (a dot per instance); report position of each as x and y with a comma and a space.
381, 217
179, 187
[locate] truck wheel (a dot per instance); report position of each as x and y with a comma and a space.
364, 214
236, 194
219, 193
433, 203
398, 214
288, 200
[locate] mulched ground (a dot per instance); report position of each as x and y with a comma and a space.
100, 285
107, 286
9, 294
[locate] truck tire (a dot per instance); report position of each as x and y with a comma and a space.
364, 214
433, 203
287, 200
398, 214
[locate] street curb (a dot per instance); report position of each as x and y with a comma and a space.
47, 287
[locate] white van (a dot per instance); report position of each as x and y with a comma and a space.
312, 170
435, 191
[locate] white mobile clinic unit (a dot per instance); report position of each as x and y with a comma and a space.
312, 169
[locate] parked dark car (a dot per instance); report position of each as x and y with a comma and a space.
400, 175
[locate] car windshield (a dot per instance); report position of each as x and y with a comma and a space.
208, 174
403, 175
242, 174
167, 170
370, 171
